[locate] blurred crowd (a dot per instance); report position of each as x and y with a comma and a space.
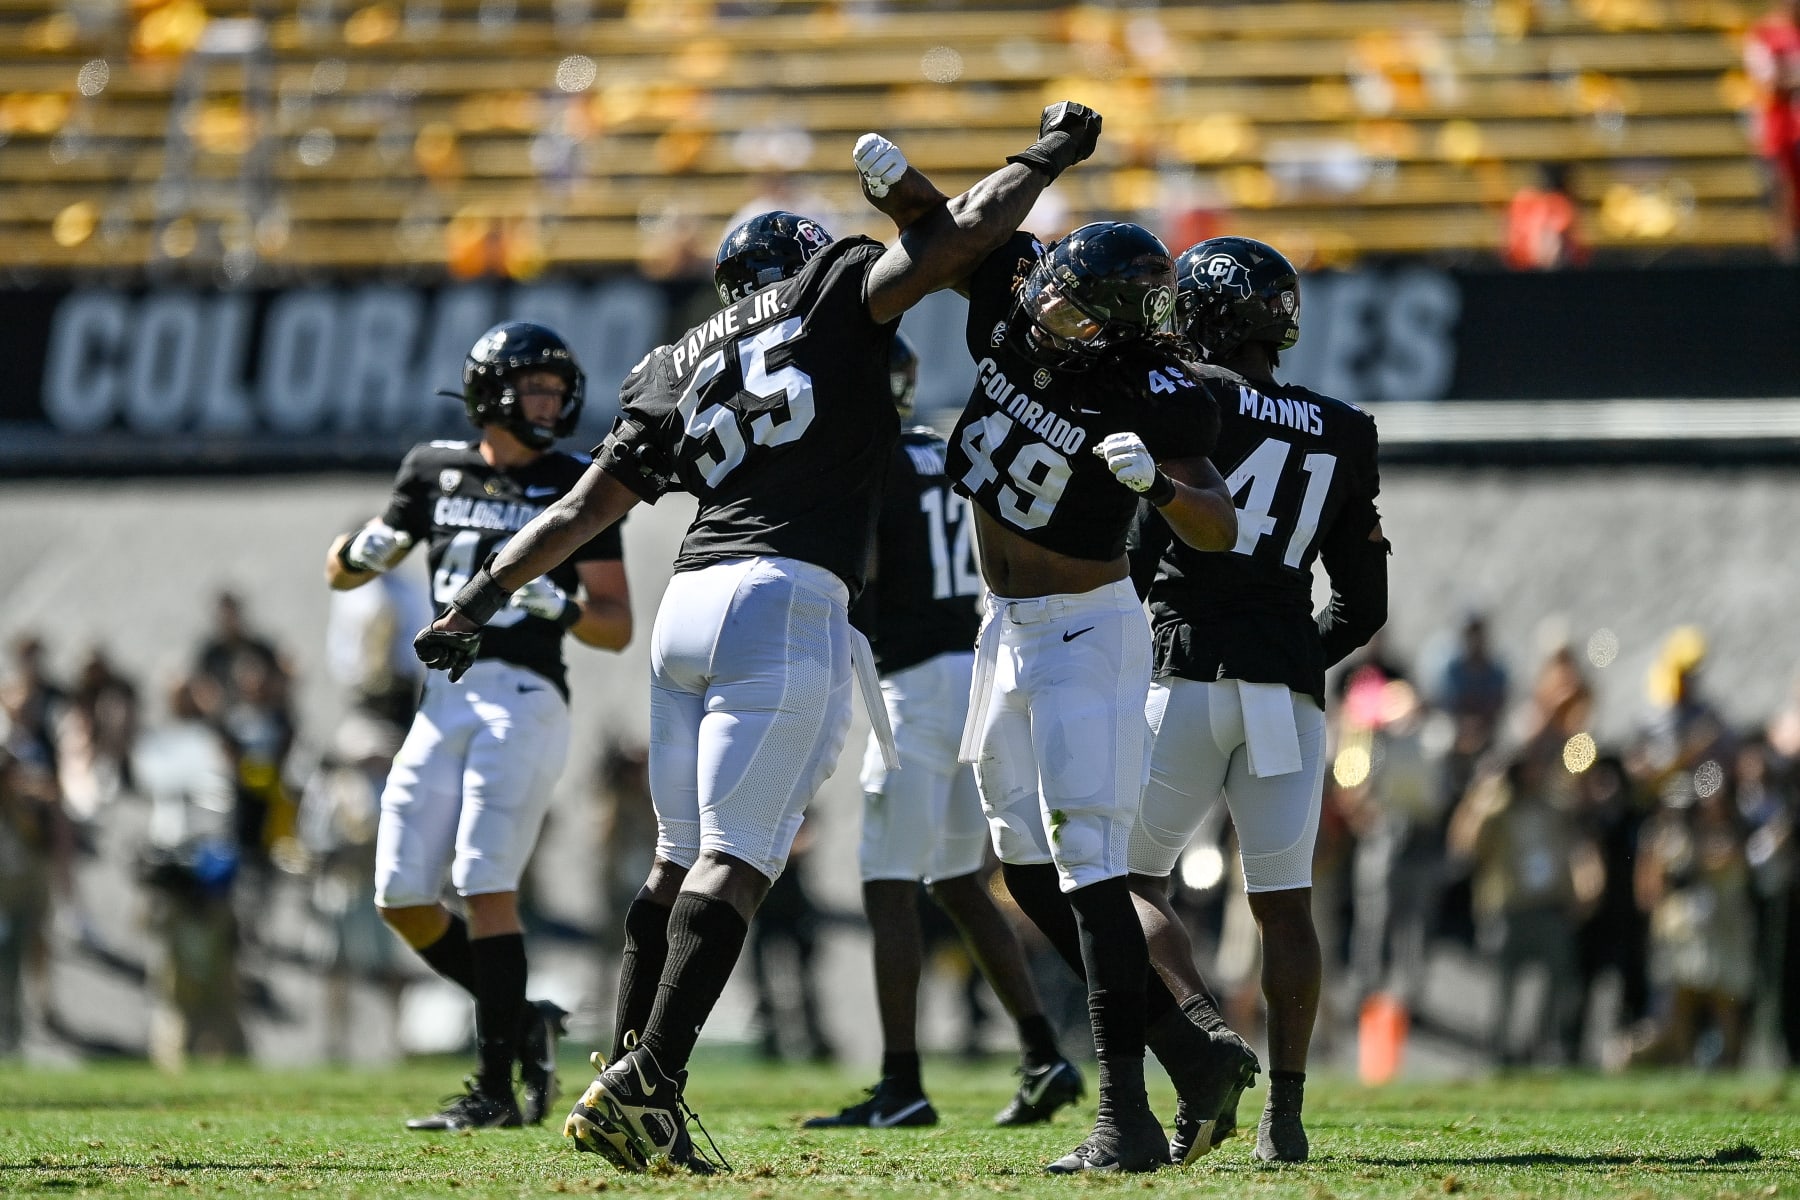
1489, 868
1504, 879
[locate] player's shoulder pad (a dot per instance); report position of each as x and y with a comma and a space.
1359, 416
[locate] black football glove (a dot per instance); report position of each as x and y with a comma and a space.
446, 650
1067, 134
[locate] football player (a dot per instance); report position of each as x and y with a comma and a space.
1083, 402
1237, 706
923, 822
774, 413
470, 786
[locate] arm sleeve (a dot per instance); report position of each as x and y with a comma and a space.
408, 508
1145, 542
1357, 567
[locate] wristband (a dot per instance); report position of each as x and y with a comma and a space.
343, 557
570, 616
1160, 492
480, 598
1040, 156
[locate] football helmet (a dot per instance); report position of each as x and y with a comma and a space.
1103, 285
1232, 290
903, 374
768, 248
494, 364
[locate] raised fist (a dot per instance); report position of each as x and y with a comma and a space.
879, 162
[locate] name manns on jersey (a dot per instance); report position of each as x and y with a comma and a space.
464, 509
1023, 447
1302, 471
923, 599
774, 413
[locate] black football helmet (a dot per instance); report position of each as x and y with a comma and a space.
1232, 290
1103, 285
495, 362
766, 249
903, 374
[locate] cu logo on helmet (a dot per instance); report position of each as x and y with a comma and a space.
812, 238
1227, 275
1157, 303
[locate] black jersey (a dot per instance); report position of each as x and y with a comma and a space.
1023, 447
775, 414
1302, 471
463, 509
923, 599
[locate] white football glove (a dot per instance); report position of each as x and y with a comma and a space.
879, 162
375, 546
542, 598
1128, 459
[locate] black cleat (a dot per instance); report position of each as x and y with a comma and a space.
1043, 1090
1207, 1091
886, 1108
1280, 1137
1135, 1147
634, 1115
470, 1109
539, 1026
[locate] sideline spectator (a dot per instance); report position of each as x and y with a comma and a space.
31, 705
1524, 847
189, 863
1472, 693
35, 852
94, 738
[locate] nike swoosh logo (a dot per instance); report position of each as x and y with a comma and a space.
649, 1088
526, 691
1034, 1091
880, 1122
533, 493
1069, 637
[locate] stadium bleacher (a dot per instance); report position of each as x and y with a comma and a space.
342, 136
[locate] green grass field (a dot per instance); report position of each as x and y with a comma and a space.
127, 1131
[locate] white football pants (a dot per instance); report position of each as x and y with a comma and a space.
749, 706
1056, 728
469, 788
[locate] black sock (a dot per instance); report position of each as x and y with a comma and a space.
1112, 948
1037, 1041
1287, 1090
1037, 891
640, 966
449, 955
1204, 1012
706, 935
499, 964
1039, 895
901, 1068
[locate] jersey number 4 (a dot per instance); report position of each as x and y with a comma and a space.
461, 557
726, 424
1261, 473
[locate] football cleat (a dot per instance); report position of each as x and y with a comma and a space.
470, 1109
886, 1108
1207, 1090
1135, 1146
1042, 1091
635, 1117
1280, 1137
541, 1024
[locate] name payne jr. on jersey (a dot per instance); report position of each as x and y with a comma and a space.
724, 324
